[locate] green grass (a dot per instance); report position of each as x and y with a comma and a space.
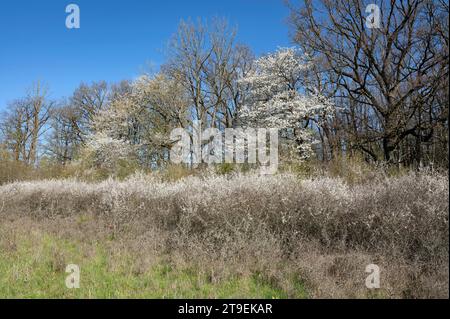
35, 268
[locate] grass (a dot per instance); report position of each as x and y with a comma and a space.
35, 268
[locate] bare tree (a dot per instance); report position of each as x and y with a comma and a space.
25, 122
391, 79
88, 101
63, 143
205, 59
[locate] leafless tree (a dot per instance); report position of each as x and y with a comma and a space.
391, 81
87, 101
25, 122
63, 142
206, 60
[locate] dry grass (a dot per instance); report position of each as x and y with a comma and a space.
318, 233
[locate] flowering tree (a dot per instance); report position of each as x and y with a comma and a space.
141, 118
280, 97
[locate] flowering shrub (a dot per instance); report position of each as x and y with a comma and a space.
401, 222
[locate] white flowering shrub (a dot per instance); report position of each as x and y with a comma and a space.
108, 150
106, 154
409, 211
324, 228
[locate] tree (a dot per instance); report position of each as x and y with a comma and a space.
144, 115
279, 97
63, 142
25, 122
205, 59
87, 101
73, 121
391, 79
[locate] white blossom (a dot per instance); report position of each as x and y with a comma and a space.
279, 96
106, 151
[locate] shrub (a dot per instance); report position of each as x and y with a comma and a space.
323, 230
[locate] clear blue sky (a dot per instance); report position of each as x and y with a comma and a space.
117, 38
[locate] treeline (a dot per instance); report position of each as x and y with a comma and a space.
346, 90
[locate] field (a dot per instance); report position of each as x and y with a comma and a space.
248, 236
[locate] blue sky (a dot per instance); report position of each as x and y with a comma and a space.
117, 38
